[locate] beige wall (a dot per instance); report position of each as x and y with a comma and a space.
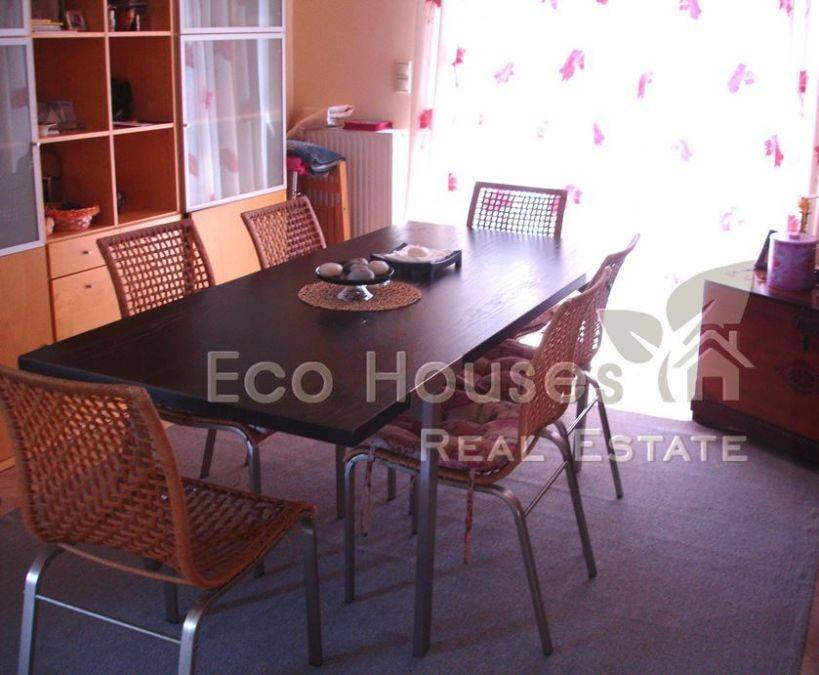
343, 52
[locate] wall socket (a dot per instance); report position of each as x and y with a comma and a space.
402, 76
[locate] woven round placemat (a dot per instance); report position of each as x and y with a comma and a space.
394, 295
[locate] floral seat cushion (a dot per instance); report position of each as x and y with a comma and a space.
480, 437
508, 349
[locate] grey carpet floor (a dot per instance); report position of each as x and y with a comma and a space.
703, 567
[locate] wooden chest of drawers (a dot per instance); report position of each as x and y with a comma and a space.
759, 364
82, 293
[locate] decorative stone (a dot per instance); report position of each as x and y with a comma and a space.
361, 274
330, 269
356, 262
379, 267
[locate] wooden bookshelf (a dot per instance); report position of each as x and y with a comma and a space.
101, 160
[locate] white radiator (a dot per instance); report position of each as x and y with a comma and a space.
376, 174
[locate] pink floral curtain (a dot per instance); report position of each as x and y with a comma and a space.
690, 121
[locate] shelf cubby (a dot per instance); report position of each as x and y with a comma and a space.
147, 64
87, 176
158, 19
145, 165
75, 70
93, 10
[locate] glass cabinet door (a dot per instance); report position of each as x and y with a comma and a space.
12, 17
234, 15
233, 117
20, 213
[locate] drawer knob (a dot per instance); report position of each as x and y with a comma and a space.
86, 252
89, 286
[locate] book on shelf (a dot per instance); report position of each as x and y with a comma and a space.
45, 25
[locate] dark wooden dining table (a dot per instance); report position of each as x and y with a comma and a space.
505, 281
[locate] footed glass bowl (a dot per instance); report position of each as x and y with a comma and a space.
355, 290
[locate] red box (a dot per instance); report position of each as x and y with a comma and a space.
367, 125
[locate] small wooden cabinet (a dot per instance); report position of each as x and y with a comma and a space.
759, 363
81, 288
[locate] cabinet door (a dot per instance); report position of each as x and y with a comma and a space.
13, 17
20, 212
233, 117
199, 16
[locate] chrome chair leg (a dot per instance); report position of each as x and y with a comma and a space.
413, 505
171, 602
255, 485
188, 642
577, 440
604, 422
207, 456
255, 468
311, 586
341, 451
170, 592
349, 531
28, 629
391, 484
508, 498
187, 648
562, 443
190, 631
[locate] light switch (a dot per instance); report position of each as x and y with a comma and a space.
403, 77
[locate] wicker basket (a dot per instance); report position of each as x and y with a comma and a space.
68, 219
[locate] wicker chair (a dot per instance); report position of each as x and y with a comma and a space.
156, 265
513, 208
284, 231
589, 340
151, 267
330, 200
96, 469
501, 424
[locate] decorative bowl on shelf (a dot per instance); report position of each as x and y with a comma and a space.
71, 217
356, 275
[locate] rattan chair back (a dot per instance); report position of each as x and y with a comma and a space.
514, 208
553, 364
591, 330
95, 467
284, 231
156, 265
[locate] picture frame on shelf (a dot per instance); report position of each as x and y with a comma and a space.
75, 20
59, 115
